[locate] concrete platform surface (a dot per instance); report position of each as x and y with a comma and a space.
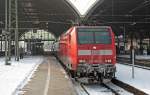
49, 79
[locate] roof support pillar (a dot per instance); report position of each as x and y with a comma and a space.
6, 32
16, 33
13, 28
124, 37
9, 37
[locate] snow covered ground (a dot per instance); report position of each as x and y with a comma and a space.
141, 80
15, 76
137, 56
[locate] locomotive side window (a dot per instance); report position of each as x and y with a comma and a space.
94, 36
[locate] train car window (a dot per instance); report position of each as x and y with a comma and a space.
102, 37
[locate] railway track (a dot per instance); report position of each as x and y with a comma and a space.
95, 89
99, 89
114, 91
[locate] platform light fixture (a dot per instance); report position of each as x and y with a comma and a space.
134, 23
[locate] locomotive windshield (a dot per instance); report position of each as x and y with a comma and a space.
85, 37
94, 36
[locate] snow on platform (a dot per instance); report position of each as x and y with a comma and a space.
137, 56
141, 80
15, 75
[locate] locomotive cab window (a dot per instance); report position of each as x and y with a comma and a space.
102, 37
85, 37
94, 36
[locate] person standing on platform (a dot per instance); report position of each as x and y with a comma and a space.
21, 52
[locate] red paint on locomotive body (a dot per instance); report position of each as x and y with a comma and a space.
88, 45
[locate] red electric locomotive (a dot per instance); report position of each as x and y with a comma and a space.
89, 51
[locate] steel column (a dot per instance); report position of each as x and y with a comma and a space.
6, 28
16, 33
133, 62
124, 37
1, 43
9, 37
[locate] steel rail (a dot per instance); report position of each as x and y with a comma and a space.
114, 91
86, 91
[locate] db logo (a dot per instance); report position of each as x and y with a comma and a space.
94, 47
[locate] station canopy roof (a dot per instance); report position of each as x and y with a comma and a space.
58, 15
83, 6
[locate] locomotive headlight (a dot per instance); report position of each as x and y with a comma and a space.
81, 61
108, 61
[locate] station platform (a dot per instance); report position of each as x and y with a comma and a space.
49, 79
140, 80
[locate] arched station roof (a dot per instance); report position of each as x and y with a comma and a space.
58, 15
133, 14
54, 15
